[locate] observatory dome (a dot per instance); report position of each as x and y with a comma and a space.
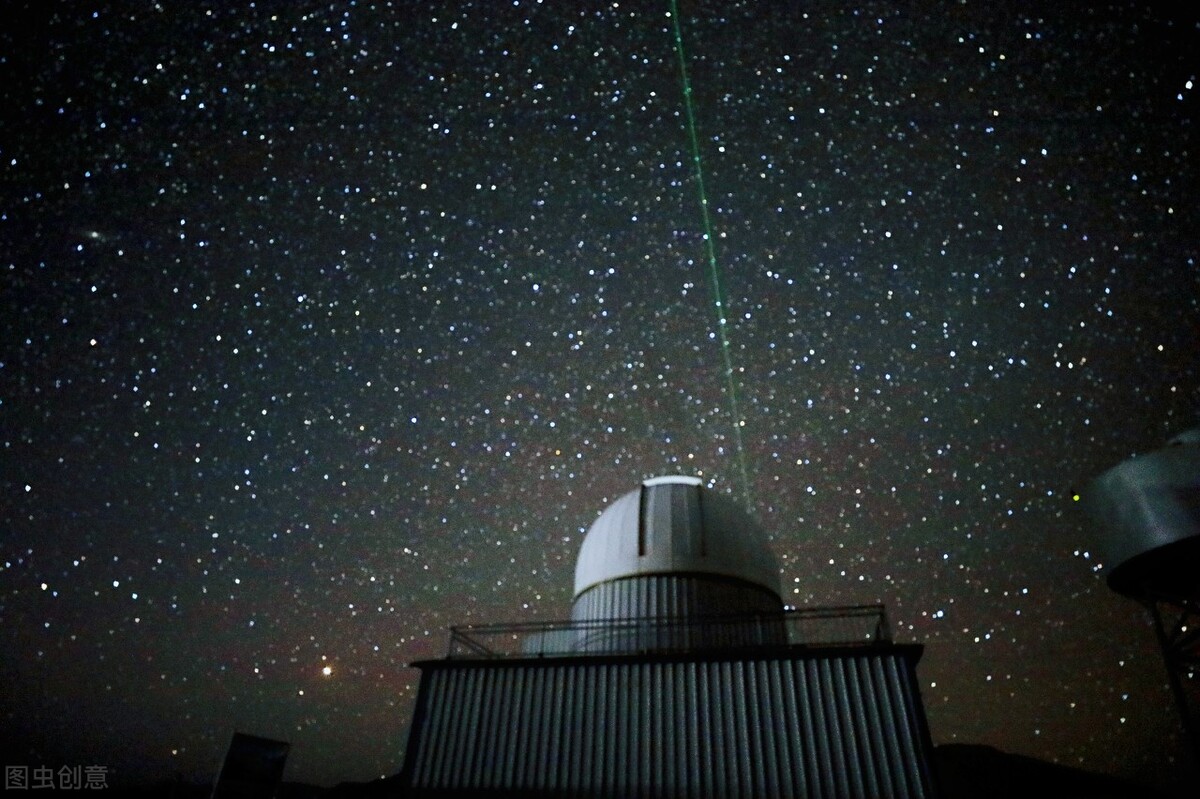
675, 526
1148, 514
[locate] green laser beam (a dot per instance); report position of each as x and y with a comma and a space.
714, 272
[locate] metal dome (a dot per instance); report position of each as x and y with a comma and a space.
674, 525
1148, 514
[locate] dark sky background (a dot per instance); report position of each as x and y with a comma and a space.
328, 325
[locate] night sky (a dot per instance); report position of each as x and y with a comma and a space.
328, 325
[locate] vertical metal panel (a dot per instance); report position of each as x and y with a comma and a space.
640, 744
768, 704
856, 693
918, 730
561, 755
599, 761
797, 730
468, 724
903, 712
453, 730
814, 714
518, 729
776, 772
445, 708
834, 692
833, 728
537, 763
766, 690
491, 722
508, 697
570, 736
882, 723
456, 731
792, 723
709, 700
504, 736
881, 766
743, 708
888, 722
517, 699
715, 705
661, 723
574, 717
743, 730
492, 692
698, 751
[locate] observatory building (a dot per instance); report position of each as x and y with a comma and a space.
679, 674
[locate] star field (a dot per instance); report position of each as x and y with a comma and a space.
326, 326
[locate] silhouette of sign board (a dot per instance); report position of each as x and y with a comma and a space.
253, 768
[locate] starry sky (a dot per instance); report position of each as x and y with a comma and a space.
328, 325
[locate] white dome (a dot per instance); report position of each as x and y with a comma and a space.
674, 525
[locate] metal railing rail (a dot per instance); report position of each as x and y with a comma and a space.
849, 625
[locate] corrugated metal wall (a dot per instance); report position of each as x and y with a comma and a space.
827, 724
678, 596
674, 596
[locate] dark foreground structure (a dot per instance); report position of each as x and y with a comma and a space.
1147, 511
679, 675
252, 769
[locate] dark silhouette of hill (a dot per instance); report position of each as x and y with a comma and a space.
974, 771
966, 771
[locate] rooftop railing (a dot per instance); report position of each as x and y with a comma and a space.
853, 625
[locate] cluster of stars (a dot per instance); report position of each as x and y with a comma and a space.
329, 328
